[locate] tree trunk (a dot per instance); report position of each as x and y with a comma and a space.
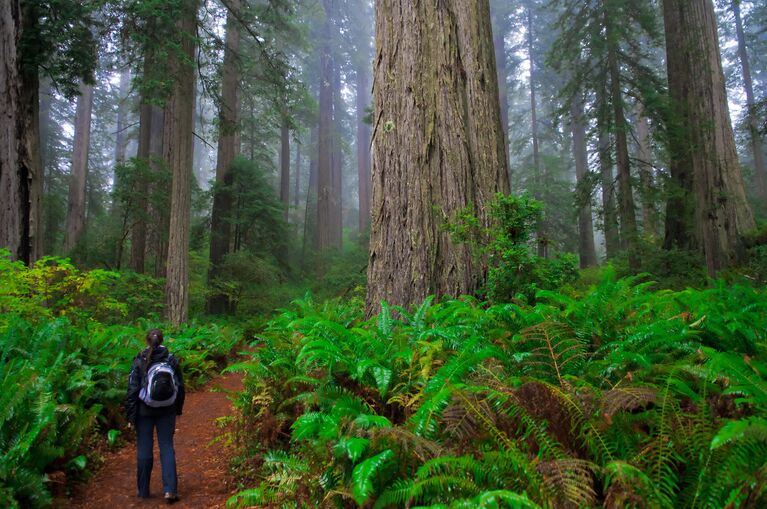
297, 171
703, 148
121, 138
586, 250
336, 158
325, 199
310, 214
609, 214
543, 243
363, 145
285, 169
628, 234
438, 147
138, 229
20, 163
757, 149
177, 152
228, 149
79, 176
159, 193
646, 179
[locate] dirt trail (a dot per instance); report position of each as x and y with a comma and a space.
202, 467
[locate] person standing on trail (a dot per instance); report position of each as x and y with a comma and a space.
155, 397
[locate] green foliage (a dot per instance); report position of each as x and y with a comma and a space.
63, 367
514, 269
617, 396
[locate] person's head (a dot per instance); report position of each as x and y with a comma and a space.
154, 338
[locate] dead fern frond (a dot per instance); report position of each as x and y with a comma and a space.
551, 351
571, 479
627, 399
422, 448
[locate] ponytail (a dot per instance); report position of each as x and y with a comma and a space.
153, 339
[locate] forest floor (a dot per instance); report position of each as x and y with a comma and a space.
203, 481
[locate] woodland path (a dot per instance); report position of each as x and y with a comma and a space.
202, 467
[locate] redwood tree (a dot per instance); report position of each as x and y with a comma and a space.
438, 146
177, 153
709, 209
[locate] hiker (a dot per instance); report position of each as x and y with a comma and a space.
155, 397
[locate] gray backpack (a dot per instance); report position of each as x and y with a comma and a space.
159, 388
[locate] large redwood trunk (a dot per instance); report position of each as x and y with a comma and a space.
646, 179
79, 176
609, 214
438, 147
499, 44
20, 163
704, 160
586, 250
177, 153
543, 242
228, 149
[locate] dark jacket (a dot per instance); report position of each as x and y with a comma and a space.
133, 405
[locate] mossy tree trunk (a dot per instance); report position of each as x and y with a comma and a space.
438, 147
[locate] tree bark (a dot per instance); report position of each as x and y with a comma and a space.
363, 145
704, 159
177, 153
138, 229
628, 234
438, 147
228, 149
310, 213
285, 169
79, 176
757, 149
586, 250
159, 193
20, 163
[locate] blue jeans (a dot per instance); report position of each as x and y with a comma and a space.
166, 426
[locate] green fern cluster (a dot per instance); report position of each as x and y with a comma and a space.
619, 397
63, 372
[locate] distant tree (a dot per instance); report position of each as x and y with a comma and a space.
79, 175
438, 147
586, 250
709, 210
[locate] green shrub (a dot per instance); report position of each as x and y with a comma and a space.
615, 396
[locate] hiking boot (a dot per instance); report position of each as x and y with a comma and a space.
171, 498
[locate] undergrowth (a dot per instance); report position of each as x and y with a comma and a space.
621, 396
64, 361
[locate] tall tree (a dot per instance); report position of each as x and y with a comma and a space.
537, 167
704, 163
285, 167
646, 179
609, 213
363, 144
177, 153
586, 250
297, 171
228, 148
757, 149
438, 146
79, 175
326, 200
121, 137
